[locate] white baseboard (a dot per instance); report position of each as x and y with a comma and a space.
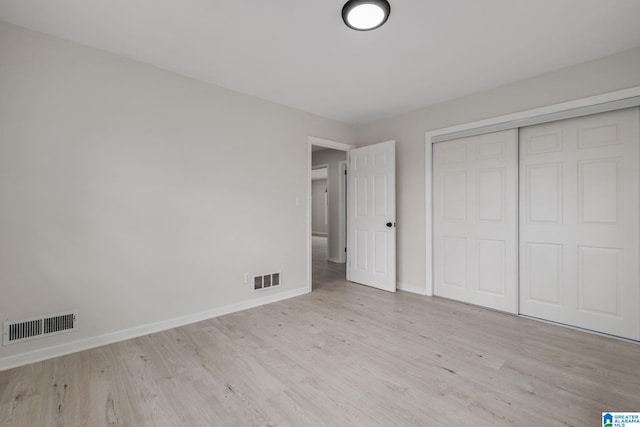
138, 331
336, 260
420, 290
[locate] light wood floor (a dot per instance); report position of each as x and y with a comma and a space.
344, 355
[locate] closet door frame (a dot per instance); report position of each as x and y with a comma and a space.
581, 107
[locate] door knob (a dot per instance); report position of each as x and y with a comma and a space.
390, 224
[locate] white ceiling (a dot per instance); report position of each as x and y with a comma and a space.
299, 53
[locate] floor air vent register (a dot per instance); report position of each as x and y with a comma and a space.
23, 330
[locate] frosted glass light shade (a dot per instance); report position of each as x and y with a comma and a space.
364, 15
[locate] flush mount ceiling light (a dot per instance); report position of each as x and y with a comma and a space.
365, 15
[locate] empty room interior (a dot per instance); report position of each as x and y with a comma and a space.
329, 213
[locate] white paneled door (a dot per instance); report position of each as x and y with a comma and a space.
371, 216
579, 222
475, 230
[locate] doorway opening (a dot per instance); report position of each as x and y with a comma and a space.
327, 191
320, 200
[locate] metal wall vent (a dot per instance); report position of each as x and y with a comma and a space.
266, 281
23, 330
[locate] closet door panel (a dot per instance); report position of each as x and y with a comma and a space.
475, 256
579, 219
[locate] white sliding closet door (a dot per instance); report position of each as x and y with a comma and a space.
474, 191
579, 222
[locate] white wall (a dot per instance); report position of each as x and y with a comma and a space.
318, 206
332, 158
608, 74
135, 195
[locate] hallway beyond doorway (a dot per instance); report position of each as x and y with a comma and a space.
323, 270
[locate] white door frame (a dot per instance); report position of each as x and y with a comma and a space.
576, 108
342, 213
326, 143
